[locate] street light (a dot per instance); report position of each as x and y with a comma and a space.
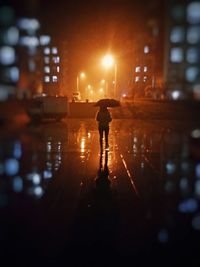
108, 61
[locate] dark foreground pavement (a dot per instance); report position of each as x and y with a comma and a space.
64, 203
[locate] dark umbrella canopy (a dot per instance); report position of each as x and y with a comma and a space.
107, 102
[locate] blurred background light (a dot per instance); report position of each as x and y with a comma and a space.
177, 35
17, 184
11, 167
44, 40
192, 73
193, 12
11, 36
176, 55
188, 206
193, 34
192, 55
7, 55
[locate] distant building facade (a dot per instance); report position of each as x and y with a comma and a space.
182, 49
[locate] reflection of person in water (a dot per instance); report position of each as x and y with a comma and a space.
104, 118
103, 181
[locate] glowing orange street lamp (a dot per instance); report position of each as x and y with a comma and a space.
108, 61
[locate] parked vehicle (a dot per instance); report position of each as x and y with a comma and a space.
76, 97
48, 107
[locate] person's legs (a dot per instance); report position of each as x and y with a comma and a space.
106, 136
101, 137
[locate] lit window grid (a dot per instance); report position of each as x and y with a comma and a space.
140, 78
188, 69
141, 69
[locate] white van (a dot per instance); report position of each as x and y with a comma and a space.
76, 97
48, 107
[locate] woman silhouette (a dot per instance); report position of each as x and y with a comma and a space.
104, 118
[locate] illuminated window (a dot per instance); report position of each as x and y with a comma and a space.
14, 74
54, 50
193, 35
193, 55
192, 74
56, 60
47, 79
11, 36
7, 55
46, 50
137, 79
46, 60
193, 12
54, 79
137, 69
29, 41
145, 78
11, 166
177, 35
30, 25
44, 39
58, 69
47, 69
145, 68
178, 12
176, 55
146, 49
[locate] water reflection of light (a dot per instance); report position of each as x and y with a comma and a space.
163, 236
197, 170
189, 205
184, 184
47, 174
17, 184
17, 152
49, 147
170, 167
11, 166
82, 144
134, 148
49, 165
34, 177
196, 222
36, 191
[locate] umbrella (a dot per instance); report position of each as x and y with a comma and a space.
107, 102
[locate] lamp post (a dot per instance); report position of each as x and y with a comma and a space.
82, 76
108, 61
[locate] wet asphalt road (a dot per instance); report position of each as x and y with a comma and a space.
63, 200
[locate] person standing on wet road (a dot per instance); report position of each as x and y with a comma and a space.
104, 118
